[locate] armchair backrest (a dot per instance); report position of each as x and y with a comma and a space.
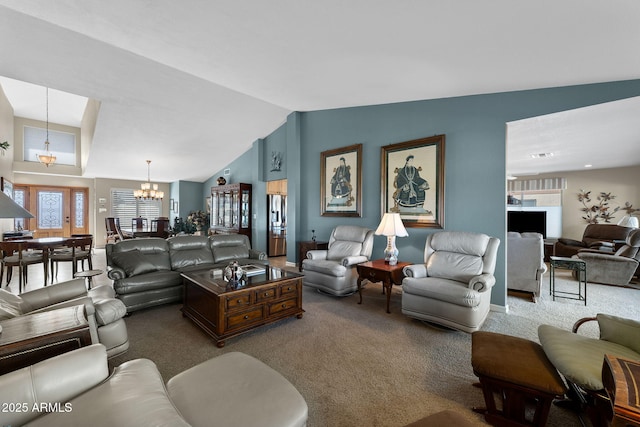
594, 233
188, 250
227, 247
350, 240
631, 248
459, 255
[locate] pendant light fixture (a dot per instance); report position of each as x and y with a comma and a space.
148, 190
47, 158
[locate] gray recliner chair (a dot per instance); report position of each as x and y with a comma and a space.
333, 270
453, 286
525, 262
617, 268
104, 312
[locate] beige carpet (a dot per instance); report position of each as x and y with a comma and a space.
356, 365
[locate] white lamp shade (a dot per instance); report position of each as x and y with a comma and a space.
391, 225
629, 221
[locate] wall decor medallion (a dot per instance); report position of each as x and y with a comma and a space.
341, 181
276, 161
413, 181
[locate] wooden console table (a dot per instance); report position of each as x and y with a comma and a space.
29, 339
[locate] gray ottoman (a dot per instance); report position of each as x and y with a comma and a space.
237, 390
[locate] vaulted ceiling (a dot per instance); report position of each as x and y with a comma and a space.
192, 84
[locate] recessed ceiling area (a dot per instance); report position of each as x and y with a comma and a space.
603, 136
192, 85
30, 101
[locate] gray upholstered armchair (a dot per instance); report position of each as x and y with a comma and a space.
525, 262
333, 270
614, 269
453, 286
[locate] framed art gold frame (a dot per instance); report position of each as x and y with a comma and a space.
341, 181
412, 184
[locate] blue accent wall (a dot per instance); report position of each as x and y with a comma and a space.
475, 163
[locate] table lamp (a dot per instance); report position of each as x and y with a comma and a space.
391, 226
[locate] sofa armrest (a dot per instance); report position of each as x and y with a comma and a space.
58, 379
571, 242
54, 294
415, 270
482, 282
255, 254
353, 260
89, 308
116, 273
317, 254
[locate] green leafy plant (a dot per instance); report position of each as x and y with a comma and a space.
4, 146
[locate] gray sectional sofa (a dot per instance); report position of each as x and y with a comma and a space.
146, 272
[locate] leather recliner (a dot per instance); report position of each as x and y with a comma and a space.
104, 312
453, 286
596, 236
333, 270
525, 262
231, 389
614, 269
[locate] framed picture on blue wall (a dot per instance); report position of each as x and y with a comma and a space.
341, 181
413, 181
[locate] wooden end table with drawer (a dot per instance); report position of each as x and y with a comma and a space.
380, 271
32, 338
223, 311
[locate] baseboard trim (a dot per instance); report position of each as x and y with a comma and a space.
500, 308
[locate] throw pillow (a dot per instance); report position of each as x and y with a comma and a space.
133, 263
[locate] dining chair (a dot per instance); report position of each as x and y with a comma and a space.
139, 224
160, 227
16, 254
77, 250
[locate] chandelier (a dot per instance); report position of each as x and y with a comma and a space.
148, 190
47, 158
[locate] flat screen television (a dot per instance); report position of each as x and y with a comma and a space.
527, 221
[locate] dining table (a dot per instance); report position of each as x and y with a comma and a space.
46, 245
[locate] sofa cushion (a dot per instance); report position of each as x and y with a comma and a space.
343, 248
133, 262
147, 282
134, 395
452, 265
186, 251
579, 358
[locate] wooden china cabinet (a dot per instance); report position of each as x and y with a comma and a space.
231, 209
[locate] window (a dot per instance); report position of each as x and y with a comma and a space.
62, 145
126, 207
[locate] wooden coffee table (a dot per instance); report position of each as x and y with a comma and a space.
224, 311
379, 271
29, 339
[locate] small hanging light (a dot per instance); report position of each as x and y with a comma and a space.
47, 158
148, 190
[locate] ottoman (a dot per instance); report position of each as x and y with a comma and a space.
237, 390
518, 372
